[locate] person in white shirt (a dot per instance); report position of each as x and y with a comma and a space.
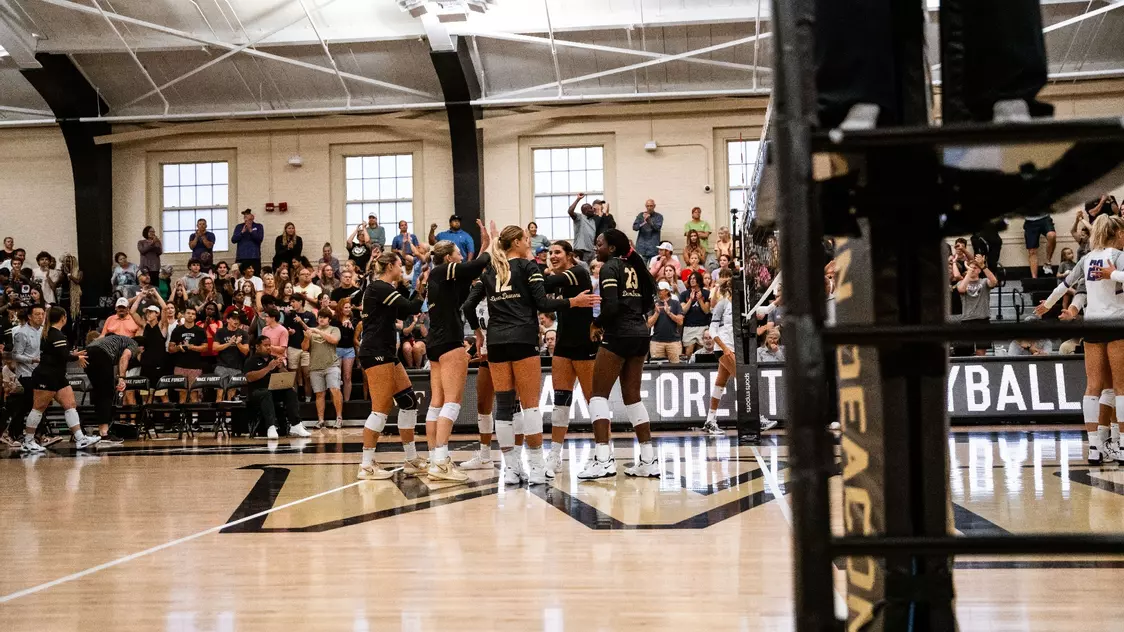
47, 276
247, 271
305, 286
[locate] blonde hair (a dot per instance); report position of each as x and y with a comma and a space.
508, 236
380, 263
1105, 230
722, 289
442, 249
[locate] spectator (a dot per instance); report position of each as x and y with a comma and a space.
281, 274
203, 294
694, 264
548, 342
975, 294
231, 345
695, 303
68, 291
345, 322
146, 291
705, 353
9, 248
771, 351
757, 272
202, 244
670, 274
359, 248
15, 261
1067, 262
327, 258
1030, 347
665, 320
194, 275
324, 365
211, 320
724, 245
328, 281
247, 269
701, 228
462, 239
306, 287
47, 276
1034, 228
269, 284
299, 319
772, 314
124, 277
248, 235
547, 322
537, 241
405, 242
605, 219
585, 229
186, 345
1083, 227
164, 282
376, 234
664, 257
647, 226
150, 249
694, 247
277, 334
121, 323
725, 262
261, 364
414, 330
347, 286
288, 245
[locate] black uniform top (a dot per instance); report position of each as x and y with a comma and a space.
573, 324
513, 308
54, 353
155, 345
622, 303
449, 284
347, 334
383, 304
257, 362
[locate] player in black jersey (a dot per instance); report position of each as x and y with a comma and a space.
384, 303
49, 380
515, 293
450, 280
485, 393
627, 295
575, 351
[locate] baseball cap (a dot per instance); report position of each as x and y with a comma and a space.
664, 285
121, 302
541, 249
455, 217
247, 212
152, 308
370, 215
666, 246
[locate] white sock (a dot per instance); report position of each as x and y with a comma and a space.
1093, 439
1103, 435
485, 452
29, 437
368, 456
647, 452
440, 454
712, 416
1090, 410
556, 448
602, 452
410, 449
517, 451
534, 457
1114, 434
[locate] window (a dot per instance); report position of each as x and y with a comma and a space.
383, 185
560, 175
741, 158
191, 192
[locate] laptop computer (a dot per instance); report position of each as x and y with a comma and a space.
282, 381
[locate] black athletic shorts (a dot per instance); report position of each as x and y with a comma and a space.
48, 382
434, 353
1104, 338
511, 352
372, 359
634, 347
578, 352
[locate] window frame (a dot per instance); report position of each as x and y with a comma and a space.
722, 184
339, 153
155, 161
566, 197
528, 144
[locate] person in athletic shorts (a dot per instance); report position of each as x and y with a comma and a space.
1034, 229
575, 350
515, 291
722, 331
385, 302
450, 281
50, 383
1104, 353
485, 392
627, 294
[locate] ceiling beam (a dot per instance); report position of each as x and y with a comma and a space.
16, 40
624, 109
66, 4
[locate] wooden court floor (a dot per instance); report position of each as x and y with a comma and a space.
202, 535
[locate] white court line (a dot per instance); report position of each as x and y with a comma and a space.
167, 545
774, 487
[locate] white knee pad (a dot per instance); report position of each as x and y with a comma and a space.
431, 414
560, 417
1108, 398
375, 422
637, 414
716, 391
505, 433
451, 411
599, 408
485, 424
407, 419
517, 422
532, 421
70, 415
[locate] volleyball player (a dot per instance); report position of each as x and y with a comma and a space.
722, 331
575, 351
1104, 353
515, 292
50, 383
451, 279
627, 294
384, 302
485, 393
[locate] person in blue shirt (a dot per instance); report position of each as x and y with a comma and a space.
248, 235
404, 242
202, 244
647, 226
462, 239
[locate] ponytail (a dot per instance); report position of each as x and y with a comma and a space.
441, 250
55, 315
618, 241
378, 264
499, 247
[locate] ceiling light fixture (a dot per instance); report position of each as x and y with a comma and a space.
446, 10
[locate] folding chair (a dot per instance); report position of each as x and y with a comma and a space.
168, 383
135, 413
228, 408
205, 385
